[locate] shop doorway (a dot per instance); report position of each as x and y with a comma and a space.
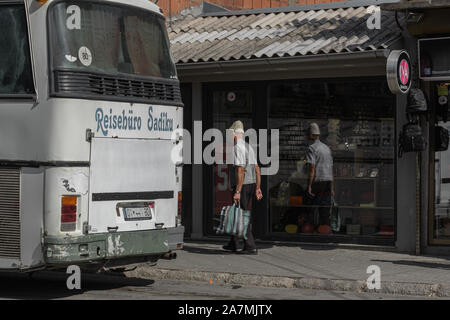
439, 213
224, 104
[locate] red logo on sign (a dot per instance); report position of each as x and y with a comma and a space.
404, 71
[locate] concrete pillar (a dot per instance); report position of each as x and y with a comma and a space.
197, 169
406, 189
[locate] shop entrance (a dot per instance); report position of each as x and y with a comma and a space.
439, 213
226, 103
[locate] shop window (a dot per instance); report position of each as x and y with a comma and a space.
441, 223
356, 121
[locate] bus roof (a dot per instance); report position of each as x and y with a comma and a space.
144, 4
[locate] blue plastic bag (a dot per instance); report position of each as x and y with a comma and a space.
234, 221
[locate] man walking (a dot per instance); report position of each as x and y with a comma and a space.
321, 180
246, 182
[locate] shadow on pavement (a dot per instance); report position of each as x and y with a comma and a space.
200, 250
421, 264
206, 250
45, 285
316, 248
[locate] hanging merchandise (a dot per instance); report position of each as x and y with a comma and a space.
442, 90
442, 107
417, 102
411, 139
441, 139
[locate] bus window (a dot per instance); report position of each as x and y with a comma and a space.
16, 77
109, 38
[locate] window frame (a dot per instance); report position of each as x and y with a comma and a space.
23, 96
52, 68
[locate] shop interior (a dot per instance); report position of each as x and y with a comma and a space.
356, 120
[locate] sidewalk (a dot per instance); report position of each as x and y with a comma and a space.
306, 267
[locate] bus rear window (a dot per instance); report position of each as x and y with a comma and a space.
16, 76
109, 38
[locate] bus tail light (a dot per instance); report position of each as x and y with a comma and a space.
180, 206
68, 213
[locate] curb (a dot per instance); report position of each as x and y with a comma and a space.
224, 278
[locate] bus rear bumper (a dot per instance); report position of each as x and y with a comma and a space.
100, 248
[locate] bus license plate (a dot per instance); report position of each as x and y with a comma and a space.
140, 213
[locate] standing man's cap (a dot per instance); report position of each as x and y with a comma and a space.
237, 126
314, 129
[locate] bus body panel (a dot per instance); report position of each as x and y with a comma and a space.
19, 121
55, 130
126, 171
21, 220
9, 264
31, 217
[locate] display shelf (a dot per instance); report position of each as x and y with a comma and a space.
359, 148
322, 206
340, 178
344, 159
374, 239
273, 203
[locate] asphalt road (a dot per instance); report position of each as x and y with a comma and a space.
52, 285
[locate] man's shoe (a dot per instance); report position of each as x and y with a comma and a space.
248, 251
229, 248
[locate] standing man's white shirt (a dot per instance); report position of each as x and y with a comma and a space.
244, 156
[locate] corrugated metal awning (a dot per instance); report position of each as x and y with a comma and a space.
297, 33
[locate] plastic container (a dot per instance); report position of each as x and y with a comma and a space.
296, 200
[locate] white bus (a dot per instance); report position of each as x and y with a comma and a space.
89, 99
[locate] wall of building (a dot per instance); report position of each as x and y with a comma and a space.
173, 7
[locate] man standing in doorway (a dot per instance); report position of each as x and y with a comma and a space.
246, 182
321, 180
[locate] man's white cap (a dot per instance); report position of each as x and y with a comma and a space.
237, 127
314, 129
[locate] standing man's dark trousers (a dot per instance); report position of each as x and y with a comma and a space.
322, 198
248, 193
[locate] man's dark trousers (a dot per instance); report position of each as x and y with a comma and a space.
248, 193
322, 192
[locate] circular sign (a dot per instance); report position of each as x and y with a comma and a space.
398, 71
85, 56
442, 100
231, 96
